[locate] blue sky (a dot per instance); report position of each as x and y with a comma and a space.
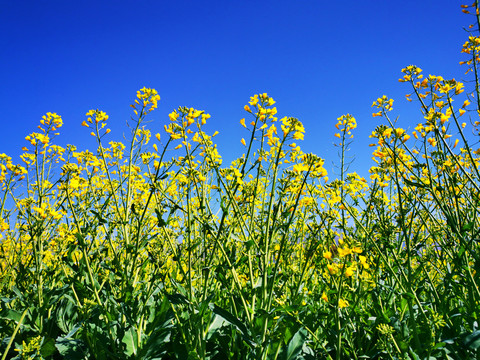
317, 59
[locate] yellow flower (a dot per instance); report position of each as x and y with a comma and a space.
344, 251
298, 168
350, 271
363, 260
3, 225
357, 249
298, 135
332, 269
399, 132
74, 183
342, 303
387, 132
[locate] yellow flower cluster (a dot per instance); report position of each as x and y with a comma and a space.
262, 104
94, 118
384, 104
8, 167
147, 98
292, 125
345, 124
411, 71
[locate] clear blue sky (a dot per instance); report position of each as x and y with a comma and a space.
317, 59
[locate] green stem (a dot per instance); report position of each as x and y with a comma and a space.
12, 338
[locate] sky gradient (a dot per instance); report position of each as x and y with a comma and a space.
317, 59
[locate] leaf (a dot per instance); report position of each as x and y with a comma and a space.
439, 345
415, 184
161, 222
231, 319
80, 239
413, 354
72, 349
99, 217
472, 341
66, 315
178, 299
11, 315
48, 348
155, 346
466, 227
410, 295
73, 331
296, 344
216, 324
131, 339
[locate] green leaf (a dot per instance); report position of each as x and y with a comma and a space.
11, 315
415, 184
216, 324
178, 299
413, 354
48, 347
66, 314
72, 349
156, 344
131, 339
80, 239
231, 319
410, 295
161, 222
472, 341
296, 344
466, 227
99, 217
